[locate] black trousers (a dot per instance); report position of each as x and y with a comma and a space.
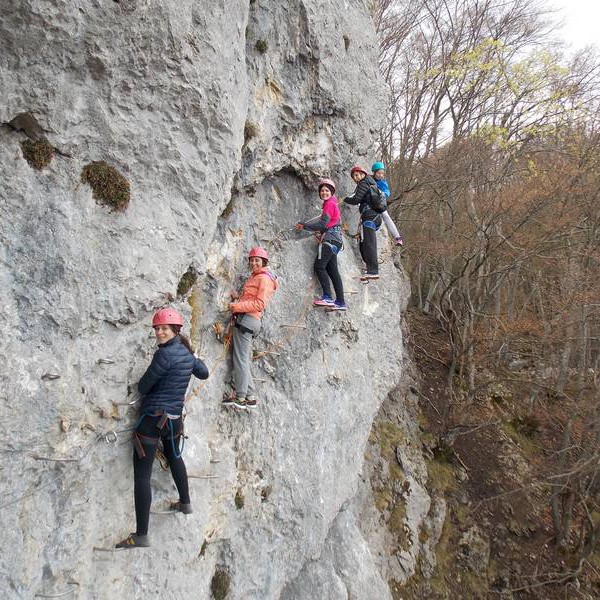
142, 467
326, 268
368, 247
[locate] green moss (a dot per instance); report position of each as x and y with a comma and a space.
239, 499
261, 46
38, 154
220, 584
389, 437
109, 187
441, 477
462, 515
528, 447
382, 498
188, 279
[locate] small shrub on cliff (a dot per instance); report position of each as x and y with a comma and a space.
250, 131
109, 187
262, 46
38, 154
187, 281
220, 583
239, 499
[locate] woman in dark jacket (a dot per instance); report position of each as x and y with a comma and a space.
370, 221
163, 388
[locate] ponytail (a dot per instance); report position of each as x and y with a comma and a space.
184, 340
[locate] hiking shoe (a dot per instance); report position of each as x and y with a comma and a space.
134, 541
228, 400
250, 402
399, 241
324, 300
186, 509
245, 403
339, 306
239, 402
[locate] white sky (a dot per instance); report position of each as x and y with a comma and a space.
581, 21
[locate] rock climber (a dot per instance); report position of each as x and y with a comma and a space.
378, 170
328, 226
247, 310
163, 388
370, 221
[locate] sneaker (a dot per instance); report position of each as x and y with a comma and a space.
228, 400
186, 509
324, 300
134, 541
339, 306
239, 402
399, 241
250, 402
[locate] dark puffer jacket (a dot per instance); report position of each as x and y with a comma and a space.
361, 196
164, 383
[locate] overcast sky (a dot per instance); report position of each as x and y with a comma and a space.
581, 21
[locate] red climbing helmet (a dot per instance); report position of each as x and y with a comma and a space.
167, 316
357, 169
328, 182
260, 252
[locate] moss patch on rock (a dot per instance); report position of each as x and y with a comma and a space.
239, 499
38, 153
261, 46
109, 187
187, 281
220, 584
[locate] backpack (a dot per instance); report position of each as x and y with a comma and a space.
377, 199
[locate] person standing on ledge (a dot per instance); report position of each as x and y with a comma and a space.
370, 221
247, 310
328, 224
163, 388
378, 170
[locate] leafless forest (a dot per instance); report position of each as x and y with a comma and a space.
493, 146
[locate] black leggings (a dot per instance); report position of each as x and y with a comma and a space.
326, 268
142, 467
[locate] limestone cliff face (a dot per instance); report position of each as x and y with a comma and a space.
221, 116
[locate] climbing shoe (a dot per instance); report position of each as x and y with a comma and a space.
134, 541
324, 300
186, 509
369, 276
399, 241
338, 306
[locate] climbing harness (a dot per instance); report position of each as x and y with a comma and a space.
243, 328
164, 418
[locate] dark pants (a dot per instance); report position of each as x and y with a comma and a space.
326, 268
368, 247
142, 467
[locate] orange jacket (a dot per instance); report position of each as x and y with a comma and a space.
257, 292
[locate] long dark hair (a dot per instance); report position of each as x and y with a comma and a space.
176, 329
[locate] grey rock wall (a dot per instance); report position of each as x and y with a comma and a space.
221, 116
